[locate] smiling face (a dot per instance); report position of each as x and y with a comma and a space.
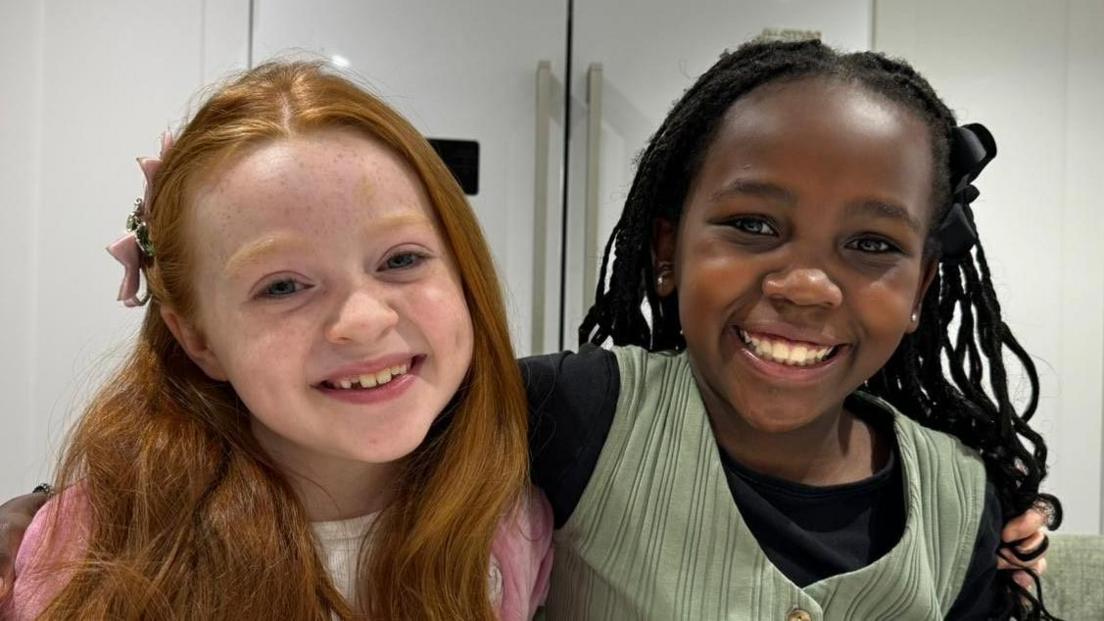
328, 298
798, 258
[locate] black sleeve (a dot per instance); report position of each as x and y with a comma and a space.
980, 595
572, 399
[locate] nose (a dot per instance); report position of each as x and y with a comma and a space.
803, 286
362, 317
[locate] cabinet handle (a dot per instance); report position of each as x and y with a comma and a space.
540, 204
593, 153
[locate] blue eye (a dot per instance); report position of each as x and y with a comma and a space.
282, 288
403, 260
752, 226
872, 245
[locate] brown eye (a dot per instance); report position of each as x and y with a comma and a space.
872, 245
752, 226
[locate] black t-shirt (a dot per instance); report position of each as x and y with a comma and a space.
808, 533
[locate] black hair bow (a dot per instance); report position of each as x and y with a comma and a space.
972, 148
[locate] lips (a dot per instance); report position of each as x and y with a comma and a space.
353, 385
370, 375
805, 361
369, 379
784, 351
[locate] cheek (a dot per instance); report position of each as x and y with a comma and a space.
885, 307
262, 357
440, 311
711, 275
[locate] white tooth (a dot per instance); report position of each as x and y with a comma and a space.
382, 377
763, 350
346, 384
780, 351
798, 354
368, 381
744, 335
403, 368
756, 342
397, 370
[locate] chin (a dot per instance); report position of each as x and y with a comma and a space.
779, 418
379, 456
776, 424
388, 446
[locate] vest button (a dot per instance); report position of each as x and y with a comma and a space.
798, 614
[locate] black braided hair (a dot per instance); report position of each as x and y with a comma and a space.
935, 376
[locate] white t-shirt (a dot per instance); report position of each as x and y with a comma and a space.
339, 548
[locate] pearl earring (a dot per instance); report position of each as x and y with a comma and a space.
915, 316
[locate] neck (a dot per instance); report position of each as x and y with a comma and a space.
330, 488
832, 449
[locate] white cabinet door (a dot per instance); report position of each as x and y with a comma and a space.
650, 51
468, 71
1030, 71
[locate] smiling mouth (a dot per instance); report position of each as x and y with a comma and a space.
369, 381
784, 352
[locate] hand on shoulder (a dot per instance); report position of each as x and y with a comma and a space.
16, 516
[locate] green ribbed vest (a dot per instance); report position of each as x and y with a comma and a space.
656, 534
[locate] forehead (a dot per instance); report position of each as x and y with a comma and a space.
318, 184
827, 130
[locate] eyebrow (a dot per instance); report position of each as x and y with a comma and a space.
398, 221
285, 242
255, 251
743, 187
880, 209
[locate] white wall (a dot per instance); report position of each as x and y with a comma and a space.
20, 103
1030, 70
87, 87
1080, 412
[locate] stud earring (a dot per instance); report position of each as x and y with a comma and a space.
664, 276
915, 316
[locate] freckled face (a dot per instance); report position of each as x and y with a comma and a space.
798, 256
321, 270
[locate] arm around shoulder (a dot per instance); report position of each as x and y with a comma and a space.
56, 535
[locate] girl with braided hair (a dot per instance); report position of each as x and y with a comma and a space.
802, 321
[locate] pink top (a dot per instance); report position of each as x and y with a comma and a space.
521, 552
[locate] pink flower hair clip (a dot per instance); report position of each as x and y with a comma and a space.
130, 248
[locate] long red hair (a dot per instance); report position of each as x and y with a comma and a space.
190, 519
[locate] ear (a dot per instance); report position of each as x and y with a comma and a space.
930, 270
664, 237
193, 343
